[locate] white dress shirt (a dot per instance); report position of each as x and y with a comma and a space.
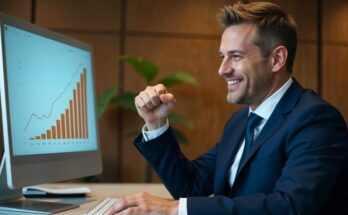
264, 110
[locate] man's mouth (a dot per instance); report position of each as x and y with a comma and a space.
232, 83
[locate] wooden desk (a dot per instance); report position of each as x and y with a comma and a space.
100, 191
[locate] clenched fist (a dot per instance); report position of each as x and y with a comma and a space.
154, 105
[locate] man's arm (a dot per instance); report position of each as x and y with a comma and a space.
154, 105
181, 177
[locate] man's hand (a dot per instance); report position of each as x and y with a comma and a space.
154, 105
144, 203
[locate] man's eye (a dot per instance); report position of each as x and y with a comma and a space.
237, 57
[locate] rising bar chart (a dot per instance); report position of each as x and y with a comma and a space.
73, 123
51, 95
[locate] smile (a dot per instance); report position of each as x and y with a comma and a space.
233, 82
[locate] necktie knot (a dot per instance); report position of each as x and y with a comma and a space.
253, 121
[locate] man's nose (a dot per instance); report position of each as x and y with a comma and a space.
225, 68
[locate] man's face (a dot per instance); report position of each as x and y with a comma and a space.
248, 74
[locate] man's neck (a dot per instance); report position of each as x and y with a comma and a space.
266, 108
278, 82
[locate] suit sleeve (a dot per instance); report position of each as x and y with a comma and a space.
181, 177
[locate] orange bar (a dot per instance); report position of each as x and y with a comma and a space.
83, 104
53, 128
71, 110
83, 89
79, 106
67, 123
38, 137
82, 108
75, 115
62, 119
43, 136
48, 133
59, 136
85, 101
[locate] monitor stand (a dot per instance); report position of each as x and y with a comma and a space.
12, 200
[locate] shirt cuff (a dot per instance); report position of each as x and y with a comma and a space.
150, 135
182, 206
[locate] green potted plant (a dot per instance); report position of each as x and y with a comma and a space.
149, 72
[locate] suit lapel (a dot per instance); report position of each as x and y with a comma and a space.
229, 147
269, 129
285, 105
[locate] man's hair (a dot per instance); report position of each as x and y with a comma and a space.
275, 27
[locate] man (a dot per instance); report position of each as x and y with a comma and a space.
285, 153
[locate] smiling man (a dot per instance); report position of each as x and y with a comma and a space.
284, 153
251, 75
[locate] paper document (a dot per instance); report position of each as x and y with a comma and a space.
39, 191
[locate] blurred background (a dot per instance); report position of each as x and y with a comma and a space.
183, 35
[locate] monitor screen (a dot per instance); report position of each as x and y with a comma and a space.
50, 95
48, 112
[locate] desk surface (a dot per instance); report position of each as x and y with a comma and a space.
100, 191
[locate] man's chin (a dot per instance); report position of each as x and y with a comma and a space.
232, 100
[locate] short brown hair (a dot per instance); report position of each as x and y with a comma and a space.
274, 25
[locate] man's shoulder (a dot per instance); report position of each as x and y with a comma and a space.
310, 100
312, 110
298, 100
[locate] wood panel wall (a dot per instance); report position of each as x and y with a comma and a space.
181, 35
335, 54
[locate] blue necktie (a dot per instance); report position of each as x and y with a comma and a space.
253, 121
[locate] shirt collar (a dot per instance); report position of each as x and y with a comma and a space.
266, 108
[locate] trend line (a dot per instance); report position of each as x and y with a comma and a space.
33, 115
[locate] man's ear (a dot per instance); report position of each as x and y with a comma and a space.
279, 57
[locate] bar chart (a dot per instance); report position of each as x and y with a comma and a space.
73, 123
51, 99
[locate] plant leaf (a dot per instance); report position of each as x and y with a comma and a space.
125, 100
175, 118
143, 67
104, 99
180, 136
178, 77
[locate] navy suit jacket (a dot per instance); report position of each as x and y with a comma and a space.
297, 164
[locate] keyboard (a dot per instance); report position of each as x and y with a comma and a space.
102, 207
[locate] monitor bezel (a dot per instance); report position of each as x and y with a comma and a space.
18, 167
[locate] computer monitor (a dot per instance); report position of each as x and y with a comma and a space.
48, 117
